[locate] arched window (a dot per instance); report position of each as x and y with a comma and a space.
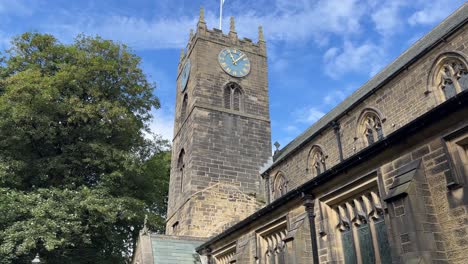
280, 185
233, 96
316, 161
449, 75
370, 127
181, 168
183, 111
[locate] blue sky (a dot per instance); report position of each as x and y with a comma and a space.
319, 51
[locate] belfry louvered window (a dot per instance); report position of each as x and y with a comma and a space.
233, 97
183, 111
181, 168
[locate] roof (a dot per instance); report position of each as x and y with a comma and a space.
458, 103
422, 46
175, 250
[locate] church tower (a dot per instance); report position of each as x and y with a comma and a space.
221, 132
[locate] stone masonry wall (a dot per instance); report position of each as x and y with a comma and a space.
223, 147
399, 101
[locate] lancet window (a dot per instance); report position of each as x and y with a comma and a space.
233, 97
183, 111
280, 185
181, 168
451, 75
226, 255
363, 230
317, 161
272, 245
370, 128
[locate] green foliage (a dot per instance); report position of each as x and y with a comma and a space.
77, 174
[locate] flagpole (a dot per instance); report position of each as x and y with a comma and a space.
220, 13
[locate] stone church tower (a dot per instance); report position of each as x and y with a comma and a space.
221, 132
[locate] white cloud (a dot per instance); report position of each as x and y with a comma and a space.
163, 122
291, 129
387, 17
137, 32
308, 115
301, 21
334, 97
367, 57
297, 23
432, 12
279, 65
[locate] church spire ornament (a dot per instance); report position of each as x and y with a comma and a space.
232, 26
201, 25
202, 15
260, 34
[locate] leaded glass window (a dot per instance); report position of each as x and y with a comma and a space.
372, 127
233, 97
280, 185
363, 231
451, 76
271, 243
317, 161
226, 255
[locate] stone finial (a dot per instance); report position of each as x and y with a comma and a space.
145, 229
277, 145
232, 25
202, 15
182, 54
191, 34
260, 34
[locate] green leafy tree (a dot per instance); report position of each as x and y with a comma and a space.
74, 160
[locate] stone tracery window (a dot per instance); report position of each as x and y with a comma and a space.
272, 246
370, 127
233, 97
181, 168
226, 255
183, 111
363, 230
317, 161
449, 75
280, 185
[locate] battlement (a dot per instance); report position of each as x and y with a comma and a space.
217, 35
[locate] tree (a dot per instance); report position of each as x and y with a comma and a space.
74, 158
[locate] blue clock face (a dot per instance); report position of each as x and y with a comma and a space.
234, 62
184, 75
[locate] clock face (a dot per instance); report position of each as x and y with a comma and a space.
234, 62
184, 75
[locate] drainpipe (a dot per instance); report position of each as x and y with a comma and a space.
267, 188
309, 202
336, 129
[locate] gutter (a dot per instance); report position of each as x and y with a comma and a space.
458, 102
373, 90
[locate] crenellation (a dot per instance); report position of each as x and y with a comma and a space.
224, 147
388, 170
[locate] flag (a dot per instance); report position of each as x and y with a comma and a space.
221, 3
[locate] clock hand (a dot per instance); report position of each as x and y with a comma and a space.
240, 57
232, 57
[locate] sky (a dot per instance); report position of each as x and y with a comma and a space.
319, 51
